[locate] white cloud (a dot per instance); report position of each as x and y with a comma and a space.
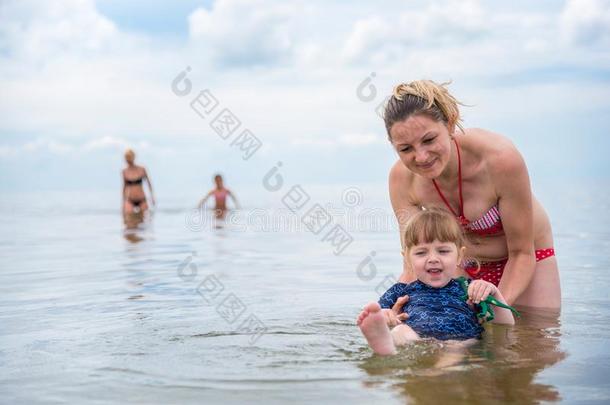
112, 143
62, 148
244, 32
366, 36
586, 22
449, 23
69, 73
52, 146
38, 30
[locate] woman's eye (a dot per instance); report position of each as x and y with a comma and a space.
406, 149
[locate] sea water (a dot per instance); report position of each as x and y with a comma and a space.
260, 307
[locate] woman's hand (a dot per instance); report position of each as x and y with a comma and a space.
479, 290
396, 316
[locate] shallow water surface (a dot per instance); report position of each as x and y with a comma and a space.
92, 312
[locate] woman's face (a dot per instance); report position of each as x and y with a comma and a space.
423, 145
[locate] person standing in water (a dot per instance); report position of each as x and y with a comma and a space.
435, 304
481, 178
134, 198
220, 194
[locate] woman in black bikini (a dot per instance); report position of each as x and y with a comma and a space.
134, 198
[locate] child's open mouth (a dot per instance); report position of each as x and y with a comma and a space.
434, 271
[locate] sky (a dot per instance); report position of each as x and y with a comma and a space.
82, 80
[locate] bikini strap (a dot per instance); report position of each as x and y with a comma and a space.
460, 216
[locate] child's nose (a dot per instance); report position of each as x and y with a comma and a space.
432, 258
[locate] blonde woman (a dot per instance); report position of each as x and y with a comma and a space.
480, 178
134, 198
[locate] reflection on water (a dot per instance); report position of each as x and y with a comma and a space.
502, 367
135, 224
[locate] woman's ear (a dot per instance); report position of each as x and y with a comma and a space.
451, 129
461, 253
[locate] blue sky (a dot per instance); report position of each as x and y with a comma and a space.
82, 80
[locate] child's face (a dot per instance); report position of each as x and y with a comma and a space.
434, 263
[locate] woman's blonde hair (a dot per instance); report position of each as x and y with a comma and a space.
422, 97
433, 224
130, 155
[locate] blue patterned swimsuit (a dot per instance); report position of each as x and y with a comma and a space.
440, 313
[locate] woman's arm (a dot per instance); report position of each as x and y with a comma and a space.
502, 315
124, 192
403, 210
152, 195
515, 203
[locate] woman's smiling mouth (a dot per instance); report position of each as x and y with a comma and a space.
425, 166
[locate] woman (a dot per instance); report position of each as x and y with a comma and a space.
134, 199
481, 178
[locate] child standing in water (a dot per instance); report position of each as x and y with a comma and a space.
220, 194
433, 305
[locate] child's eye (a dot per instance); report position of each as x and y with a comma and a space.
429, 140
406, 149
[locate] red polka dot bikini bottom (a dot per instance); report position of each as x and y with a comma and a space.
492, 271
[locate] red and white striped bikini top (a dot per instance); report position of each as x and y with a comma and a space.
489, 224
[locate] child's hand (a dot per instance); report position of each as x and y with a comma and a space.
479, 290
395, 316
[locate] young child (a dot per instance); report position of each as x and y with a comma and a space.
433, 304
220, 194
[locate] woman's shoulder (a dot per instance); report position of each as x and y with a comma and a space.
482, 140
141, 170
400, 177
494, 150
402, 187
399, 174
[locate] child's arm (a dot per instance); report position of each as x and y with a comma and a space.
234, 199
395, 316
392, 302
204, 199
479, 290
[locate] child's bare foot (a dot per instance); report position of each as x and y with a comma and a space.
374, 327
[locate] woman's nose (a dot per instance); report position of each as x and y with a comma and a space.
421, 156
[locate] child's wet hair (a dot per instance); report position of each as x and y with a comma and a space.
433, 224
